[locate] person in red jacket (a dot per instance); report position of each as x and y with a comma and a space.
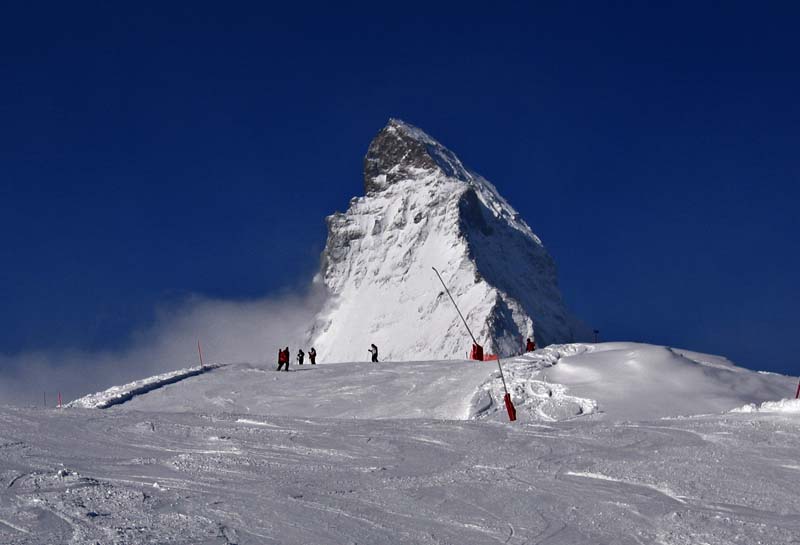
530, 346
283, 359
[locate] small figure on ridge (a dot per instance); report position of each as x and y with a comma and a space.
374, 351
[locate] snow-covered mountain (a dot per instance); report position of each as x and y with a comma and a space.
423, 208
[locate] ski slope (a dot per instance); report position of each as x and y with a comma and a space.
116, 476
610, 447
621, 381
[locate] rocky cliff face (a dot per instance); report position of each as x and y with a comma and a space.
424, 209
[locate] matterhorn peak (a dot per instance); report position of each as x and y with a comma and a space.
401, 150
423, 208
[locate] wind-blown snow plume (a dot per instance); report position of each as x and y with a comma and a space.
230, 331
424, 208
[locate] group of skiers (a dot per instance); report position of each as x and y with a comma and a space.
283, 356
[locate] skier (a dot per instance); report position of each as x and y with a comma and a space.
283, 359
530, 346
374, 351
312, 355
300, 355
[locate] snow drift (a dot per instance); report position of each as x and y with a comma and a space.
636, 381
781, 406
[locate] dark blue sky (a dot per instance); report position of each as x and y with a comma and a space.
151, 152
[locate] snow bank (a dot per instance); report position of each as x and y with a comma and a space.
120, 394
534, 397
782, 406
629, 381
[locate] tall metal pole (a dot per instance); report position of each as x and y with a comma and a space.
200, 352
454, 304
502, 376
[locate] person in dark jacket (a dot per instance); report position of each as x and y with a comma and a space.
283, 359
300, 356
374, 351
312, 355
530, 346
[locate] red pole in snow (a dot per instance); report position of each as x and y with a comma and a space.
797, 395
59, 400
200, 352
512, 412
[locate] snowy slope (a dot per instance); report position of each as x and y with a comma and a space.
422, 209
346, 390
416, 452
618, 381
83, 477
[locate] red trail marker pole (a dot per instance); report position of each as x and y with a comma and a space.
59, 400
797, 395
512, 412
510, 409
